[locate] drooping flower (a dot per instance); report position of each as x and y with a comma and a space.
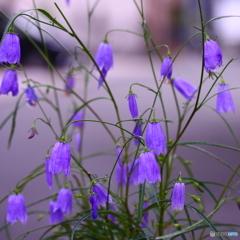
138, 132
102, 195
148, 168
31, 96
144, 222
9, 82
76, 117
33, 131
16, 209
94, 203
212, 56
64, 200
78, 138
132, 104
187, 89
48, 173
55, 215
224, 100
119, 153
10, 52
178, 196
166, 68
155, 138
104, 59
60, 159
69, 85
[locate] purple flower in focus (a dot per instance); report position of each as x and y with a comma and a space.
212, 56
31, 96
60, 159
138, 132
94, 203
16, 209
104, 59
132, 104
69, 85
185, 88
148, 168
64, 200
48, 173
166, 68
178, 196
144, 223
55, 215
10, 49
101, 195
224, 100
77, 136
155, 138
9, 82
78, 116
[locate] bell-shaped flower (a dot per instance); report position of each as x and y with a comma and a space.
178, 196
148, 168
187, 89
166, 68
155, 138
102, 195
212, 56
16, 209
55, 215
33, 132
132, 104
78, 138
94, 203
224, 100
137, 131
10, 52
64, 200
31, 97
48, 173
60, 159
77, 116
9, 82
69, 85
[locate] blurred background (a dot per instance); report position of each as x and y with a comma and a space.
171, 22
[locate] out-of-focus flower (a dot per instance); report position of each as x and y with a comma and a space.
78, 116
166, 68
68, 1
60, 159
64, 201
148, 168
16, 209
104, 59
69, 85
178, 196
10, 49
119, 153
9, 82
187, 89
94, 203
78, 138
224, 100
55, 215
144, 223
212, 56
48, 173
155, 138
31, 96
132, 104
102, 195
138, 132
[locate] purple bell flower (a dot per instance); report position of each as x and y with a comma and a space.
119, 156
101, 80
148, 168
94, 203
166, 68
64, 201
60, 159
101, 195
132, 103
69, 85
78, 116
224, 100
78, 138
138, 132
48, 173
31, 97
178, 196
16, 209
187, 89
10, 49
212, 56
155, 138
55, 215
9, 82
